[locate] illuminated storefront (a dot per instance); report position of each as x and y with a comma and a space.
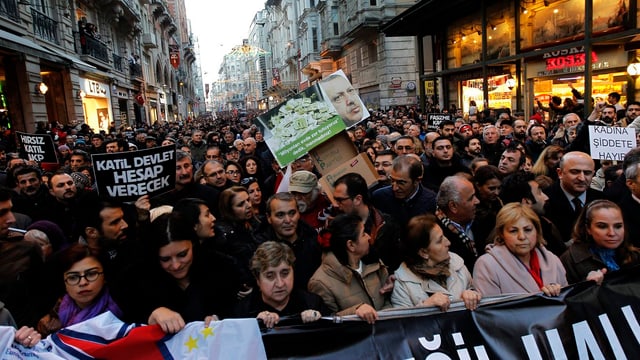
509, 54
96, 104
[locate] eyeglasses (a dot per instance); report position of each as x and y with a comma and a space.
408, 147
89, 275
233, 172
340, 200
247, 181
217, 174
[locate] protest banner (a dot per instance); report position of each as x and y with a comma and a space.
37, 147
344, 98
586, 321
611, 142
298, 125
434, 120
129, 175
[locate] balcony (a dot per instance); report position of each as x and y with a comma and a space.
135, 70
9, 9
118, 62
44, 27
149, 41
331, 48
91, 48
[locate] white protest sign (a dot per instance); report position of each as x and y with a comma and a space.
611, 142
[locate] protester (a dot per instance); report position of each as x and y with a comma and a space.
273, 268
431, 275
182, 288
348, 281
518, 262
86, 293
599, 244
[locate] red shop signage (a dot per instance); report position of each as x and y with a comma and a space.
567, 58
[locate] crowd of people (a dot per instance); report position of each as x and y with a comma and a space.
482, 205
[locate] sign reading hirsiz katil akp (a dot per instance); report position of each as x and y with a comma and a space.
37, 147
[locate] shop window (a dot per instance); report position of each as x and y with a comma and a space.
549, 22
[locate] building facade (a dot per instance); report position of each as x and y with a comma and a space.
297, 42
512, 54
102, 63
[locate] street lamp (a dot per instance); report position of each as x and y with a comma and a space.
634, 71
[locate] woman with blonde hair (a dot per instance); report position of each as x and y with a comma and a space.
518, 261
548, 162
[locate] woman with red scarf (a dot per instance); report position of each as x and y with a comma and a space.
517, 262
86, 294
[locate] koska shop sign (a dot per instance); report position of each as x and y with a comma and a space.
567, 58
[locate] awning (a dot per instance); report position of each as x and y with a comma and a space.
24, 45
430, 16
75, 62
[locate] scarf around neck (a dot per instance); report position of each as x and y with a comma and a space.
70, 313
438, 272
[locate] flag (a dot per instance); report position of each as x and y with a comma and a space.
107, 337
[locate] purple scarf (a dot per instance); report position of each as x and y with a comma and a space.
69, 313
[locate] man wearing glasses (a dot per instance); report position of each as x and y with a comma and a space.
405, 145
215, 175
351, 195
405, 197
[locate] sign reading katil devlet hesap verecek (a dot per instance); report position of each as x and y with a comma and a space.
129, 175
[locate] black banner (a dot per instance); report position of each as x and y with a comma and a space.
37, 147
585, 322
129, 175
434, 120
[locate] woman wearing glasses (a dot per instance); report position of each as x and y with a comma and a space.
86, 294
234, 172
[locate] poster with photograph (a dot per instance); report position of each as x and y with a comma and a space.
299, 124
338, 91
103, 118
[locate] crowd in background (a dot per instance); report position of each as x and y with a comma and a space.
487, 203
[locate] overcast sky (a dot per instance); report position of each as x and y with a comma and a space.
219, 26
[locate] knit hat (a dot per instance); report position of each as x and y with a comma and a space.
464, 128
53, 231
303, 181
62, 148
81, 180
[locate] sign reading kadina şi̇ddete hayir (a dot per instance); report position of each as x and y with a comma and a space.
129, 175
38, 147
611, 142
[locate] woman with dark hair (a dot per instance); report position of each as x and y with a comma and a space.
272, 266
518, 261
251, 167
431, 275
255, 197
236, 233
182, 279
86, 293
234, 172
487, 181
599, 244
348, 281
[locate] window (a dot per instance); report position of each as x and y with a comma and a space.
314, 39
373, 2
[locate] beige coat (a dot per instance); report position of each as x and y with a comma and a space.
411, 289
343, 289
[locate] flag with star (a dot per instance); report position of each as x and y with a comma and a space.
106, 337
